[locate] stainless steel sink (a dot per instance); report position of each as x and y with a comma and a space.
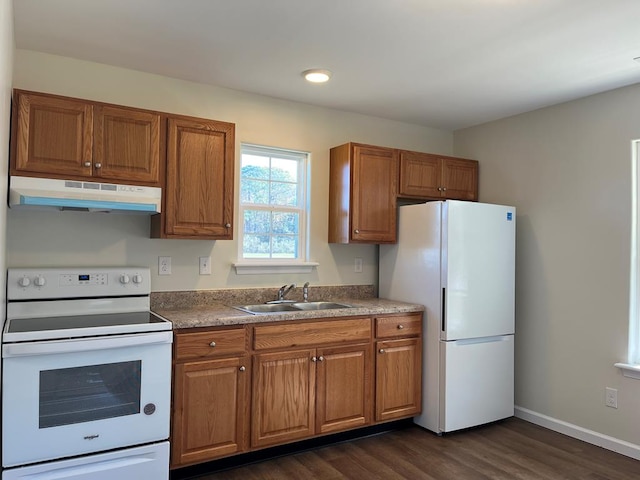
320, 305
290, 307
268, 308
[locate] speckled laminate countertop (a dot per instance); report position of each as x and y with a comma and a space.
219, 314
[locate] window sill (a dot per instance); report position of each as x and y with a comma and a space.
629, 370
260, 268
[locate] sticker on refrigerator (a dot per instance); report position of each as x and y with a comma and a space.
509, 216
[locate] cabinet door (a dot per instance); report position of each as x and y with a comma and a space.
199, 193
283, 397
460, 179
54, 135
344, 388
398, 378
419, 175
373, 196
127, 145
210, 410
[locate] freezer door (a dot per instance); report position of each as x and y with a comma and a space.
476, 382
478, 270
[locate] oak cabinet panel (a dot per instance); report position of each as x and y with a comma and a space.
398, 378
210, 415
199, 180
53, 135
283, 397
428, 176
127, 144
344, 388
362, 194
69, 138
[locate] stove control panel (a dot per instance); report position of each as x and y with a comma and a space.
46, 283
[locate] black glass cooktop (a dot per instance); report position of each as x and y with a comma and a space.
23, 325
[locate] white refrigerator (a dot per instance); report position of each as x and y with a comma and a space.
458, 260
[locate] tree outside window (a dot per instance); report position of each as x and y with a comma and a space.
272, 204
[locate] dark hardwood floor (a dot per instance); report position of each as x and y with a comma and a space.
511, 449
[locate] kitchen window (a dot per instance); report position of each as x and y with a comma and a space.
632, 367
273, 211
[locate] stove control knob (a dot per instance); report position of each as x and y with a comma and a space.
24, 282
40, 281
137, 278
124, 278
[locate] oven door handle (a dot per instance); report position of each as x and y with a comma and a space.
51, 347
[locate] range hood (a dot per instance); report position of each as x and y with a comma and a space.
47, 193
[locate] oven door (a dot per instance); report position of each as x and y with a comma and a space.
70, 397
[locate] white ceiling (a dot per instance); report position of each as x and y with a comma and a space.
440, 63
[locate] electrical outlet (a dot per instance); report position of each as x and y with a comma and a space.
164, 265
205, 265
357, 265
611, 397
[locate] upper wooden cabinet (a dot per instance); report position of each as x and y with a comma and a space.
428, 176
362, 194
69, 138
198, 196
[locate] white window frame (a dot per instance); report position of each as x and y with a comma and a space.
278, 265
632, 367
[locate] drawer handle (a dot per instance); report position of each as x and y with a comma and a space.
400, 327
381, 350
242, 368
212, 344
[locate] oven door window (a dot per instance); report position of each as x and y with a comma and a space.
88, 393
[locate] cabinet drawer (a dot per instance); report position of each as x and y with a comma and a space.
399, 325
312, 333
210, 344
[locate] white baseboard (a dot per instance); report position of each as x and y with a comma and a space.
610, 443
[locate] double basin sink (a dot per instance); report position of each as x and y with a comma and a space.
290, 307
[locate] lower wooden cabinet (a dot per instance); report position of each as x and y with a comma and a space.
210, 418
240, 389
283, 397
398, 378
344, 388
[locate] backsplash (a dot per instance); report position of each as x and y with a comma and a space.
241, 296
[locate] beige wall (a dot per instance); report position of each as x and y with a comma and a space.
62, 238
6, 69
567, 168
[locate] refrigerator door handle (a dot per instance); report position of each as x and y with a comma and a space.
444, 302
473, 341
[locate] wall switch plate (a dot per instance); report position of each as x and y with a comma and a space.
164, 265
205, 265
611, 397
357, 265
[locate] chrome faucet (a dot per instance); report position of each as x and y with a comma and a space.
284, 290
305, 292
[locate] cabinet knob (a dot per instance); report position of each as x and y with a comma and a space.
439, 189
212, 344
381, 350
87, 164
98, 165
400, 327
356, 231
444, 189
242, 368
321, 358
227, 225
314, 359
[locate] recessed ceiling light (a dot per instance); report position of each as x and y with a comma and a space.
316, 76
